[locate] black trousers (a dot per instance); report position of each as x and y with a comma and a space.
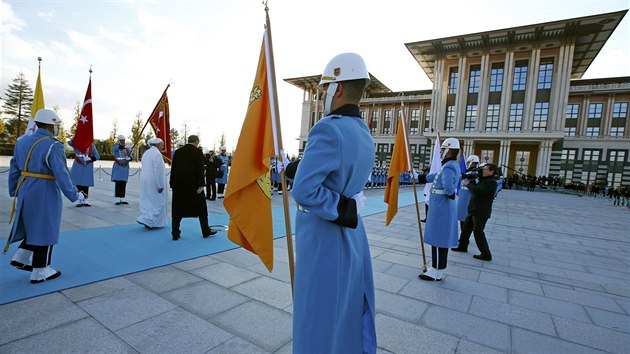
203, 223
84, 189
120, 189
41, 254
439, 257
211, 188
221, 188
475, 225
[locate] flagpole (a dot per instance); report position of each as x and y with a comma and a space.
151, 115
271, 76
413, 180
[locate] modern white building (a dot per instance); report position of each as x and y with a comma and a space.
512, 96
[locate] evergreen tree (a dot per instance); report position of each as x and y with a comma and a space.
113, 137
174, 138
137, 139
17, 108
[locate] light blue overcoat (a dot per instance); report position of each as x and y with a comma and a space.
83, 173
38, 205
333, 271
120, 169
441, 230
225, 161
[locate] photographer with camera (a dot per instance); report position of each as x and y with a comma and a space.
479, 210
471, 173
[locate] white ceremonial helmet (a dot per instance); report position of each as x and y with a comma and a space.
48, 116
121, 137
222, 148
343, 67
448, 144
155, 141
471, 159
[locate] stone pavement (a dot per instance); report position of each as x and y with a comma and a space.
559, 282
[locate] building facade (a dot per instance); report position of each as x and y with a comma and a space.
514, 97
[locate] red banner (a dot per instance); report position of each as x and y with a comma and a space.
161, 125
84, 135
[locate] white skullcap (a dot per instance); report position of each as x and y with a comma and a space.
121, 137
222, 148
155, 141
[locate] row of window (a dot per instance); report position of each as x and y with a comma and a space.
515, 120
594, 119
590, 165
545, 76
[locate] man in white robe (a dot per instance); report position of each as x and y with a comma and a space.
152, 184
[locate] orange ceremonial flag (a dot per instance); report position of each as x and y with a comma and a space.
248, 195
398, 165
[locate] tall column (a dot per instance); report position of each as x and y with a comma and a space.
506, 91
583, 116
504, 153
438, 94
607, 116
563, 88
462, 93
484, 89
530, 93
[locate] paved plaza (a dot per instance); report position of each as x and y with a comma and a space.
559, 282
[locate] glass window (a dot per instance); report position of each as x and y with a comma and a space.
541, 112
496, 77
545, 73
590, 160
520, 76
415, 121
570, 131
487, 156
374, 122
427, 120
516, 117
567, 164
572, 111
620, 110
617, 131
616, 160
522, 161
492, 118
449, 123
453, 78
475, 75
471, 118
595, 111
387, 122
592, 131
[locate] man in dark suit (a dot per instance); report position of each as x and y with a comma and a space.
187, 182
212, 171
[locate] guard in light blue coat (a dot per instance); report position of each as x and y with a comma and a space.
120, 169
333, 305
463, 199
38, 175
441, 231
82, 171
225, 168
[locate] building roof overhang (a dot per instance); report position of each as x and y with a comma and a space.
307, 83
588, 34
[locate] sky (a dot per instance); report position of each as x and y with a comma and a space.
208, 50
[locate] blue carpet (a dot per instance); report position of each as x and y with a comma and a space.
92, 255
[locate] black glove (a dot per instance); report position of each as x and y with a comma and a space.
451, 197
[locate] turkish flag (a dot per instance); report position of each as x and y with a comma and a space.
161, 126
84, 135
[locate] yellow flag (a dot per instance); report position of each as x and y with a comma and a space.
38, 103
248, 195
398, 165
